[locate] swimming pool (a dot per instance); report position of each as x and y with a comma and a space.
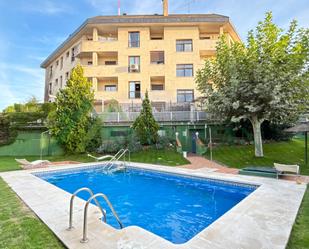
172, 206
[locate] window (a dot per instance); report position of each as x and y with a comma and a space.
66, 75
134, 40
134, 89
60, 81
73, 54
157, 57
157, 87
61, 63
109, 63
119, 133
57, 63
50, 88
89, 63
184, 46
184, 70
56, 83
185, 96
110, 88
50, 71
134, 64
68, 54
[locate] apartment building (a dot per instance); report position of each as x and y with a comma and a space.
126, 55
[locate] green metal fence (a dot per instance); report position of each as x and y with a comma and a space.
31, 143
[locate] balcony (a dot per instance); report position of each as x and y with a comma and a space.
98, 46
156, 69
156, 44
208, 46
129, 117
101, 70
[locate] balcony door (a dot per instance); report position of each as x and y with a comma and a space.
134, 89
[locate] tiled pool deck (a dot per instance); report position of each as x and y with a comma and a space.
262, 220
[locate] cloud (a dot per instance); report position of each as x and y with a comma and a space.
18, 83
7, 96
48, 7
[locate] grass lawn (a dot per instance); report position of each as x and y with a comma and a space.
164, 157
19, 228
240, 156
300, 234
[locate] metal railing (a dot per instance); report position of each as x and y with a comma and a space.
85, 227
92, 197
181, 116
118, 155
71, 206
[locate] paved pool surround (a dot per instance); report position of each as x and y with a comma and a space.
264, 219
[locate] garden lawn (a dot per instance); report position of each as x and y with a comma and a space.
8, 163
300, 234
240, 156
19, 227
164, 157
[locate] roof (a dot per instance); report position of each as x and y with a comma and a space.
128, 19
302, 127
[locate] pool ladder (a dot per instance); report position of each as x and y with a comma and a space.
121, 153
92, 197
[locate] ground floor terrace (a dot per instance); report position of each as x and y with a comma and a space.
263, 219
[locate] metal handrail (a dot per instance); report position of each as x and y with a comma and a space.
116, 158
121, 155
71, 206
85, 239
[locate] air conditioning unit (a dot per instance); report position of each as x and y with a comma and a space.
134, 67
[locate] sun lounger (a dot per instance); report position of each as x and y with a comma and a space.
259, 171
101, 158
284, 169
25, 164
278, 170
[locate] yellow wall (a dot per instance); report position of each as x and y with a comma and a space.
96, 51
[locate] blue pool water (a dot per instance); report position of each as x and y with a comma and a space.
172, 206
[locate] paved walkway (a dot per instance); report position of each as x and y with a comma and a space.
198, 162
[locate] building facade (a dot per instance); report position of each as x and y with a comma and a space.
126, 55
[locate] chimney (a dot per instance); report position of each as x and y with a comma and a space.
165, 7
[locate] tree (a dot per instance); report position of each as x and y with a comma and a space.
145, 125
71, 122
264, 79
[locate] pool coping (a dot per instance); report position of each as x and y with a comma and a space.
264, 219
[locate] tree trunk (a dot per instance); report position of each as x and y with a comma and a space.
258, 144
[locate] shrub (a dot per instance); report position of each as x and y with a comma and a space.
164, 142
71, 122
111, 146
133, 143
145, 125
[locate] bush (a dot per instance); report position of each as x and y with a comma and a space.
164, 142
130, 142
93, 138
145, 125
271, 131
111, 146
133, 143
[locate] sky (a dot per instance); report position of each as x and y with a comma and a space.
31, 29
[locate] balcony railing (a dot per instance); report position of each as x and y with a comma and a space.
129, 117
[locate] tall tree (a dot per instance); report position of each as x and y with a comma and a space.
71, 122
264, 79
145, 125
